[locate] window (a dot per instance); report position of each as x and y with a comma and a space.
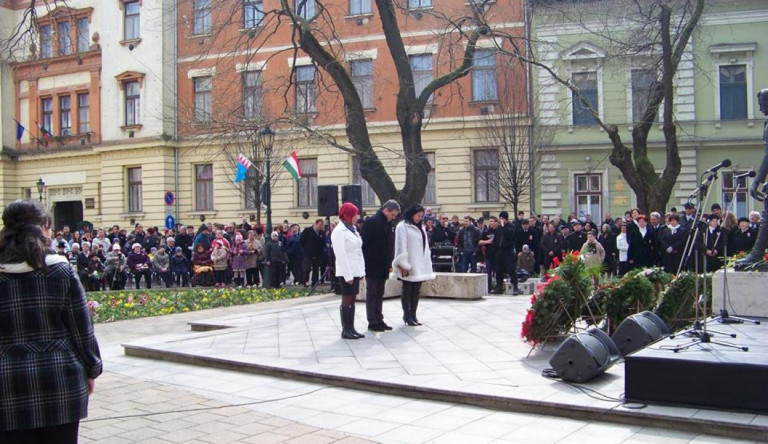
46, 41
486, 175
308, 183
132, 103
202, 16
730, 185
83, 113
733, 92
306, 95
253, 13
131, 21
421, 66
642, 84
65, 115
252, 94
369, 197
135, 193
419, 4
65, 40
47, 106
305, 8
589, 193
586, 82
252, 188
358, 7
362, 77
484, 76
430, 194
83, 37
204, 187
202, 87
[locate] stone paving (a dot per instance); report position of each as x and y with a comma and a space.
271, 409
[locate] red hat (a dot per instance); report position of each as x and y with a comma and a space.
348, 212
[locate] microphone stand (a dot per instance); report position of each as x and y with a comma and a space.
699, 329
724, 317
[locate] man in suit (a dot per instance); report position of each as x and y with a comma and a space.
312, 244
506, 254
377, 235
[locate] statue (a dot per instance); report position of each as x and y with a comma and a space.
756, 256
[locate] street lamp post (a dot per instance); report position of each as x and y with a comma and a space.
267, 140
40, 187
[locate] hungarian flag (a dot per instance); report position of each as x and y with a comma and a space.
242, 168
46, 134
292, 165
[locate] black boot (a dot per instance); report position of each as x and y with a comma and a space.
352, 322
414, 306
405, 301
346, 321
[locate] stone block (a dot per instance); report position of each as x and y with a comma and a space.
446, 285
746, 291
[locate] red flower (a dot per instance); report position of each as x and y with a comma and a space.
576, 254
533, 299
555, 262
527, 324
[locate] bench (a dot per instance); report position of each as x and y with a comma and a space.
469, 286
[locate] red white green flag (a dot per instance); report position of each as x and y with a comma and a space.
46, 133
292, 165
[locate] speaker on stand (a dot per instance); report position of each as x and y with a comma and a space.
637, 331
584, 355
353, 194
327, 200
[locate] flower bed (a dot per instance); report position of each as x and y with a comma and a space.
110, 306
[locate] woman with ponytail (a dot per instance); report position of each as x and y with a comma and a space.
350, 266
413, 262
49, 356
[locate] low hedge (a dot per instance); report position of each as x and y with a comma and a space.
110, 306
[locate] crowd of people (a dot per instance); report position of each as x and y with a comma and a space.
503, 248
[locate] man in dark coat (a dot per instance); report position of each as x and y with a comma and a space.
714, 240
443, 233
312, 243
377, 235
576, 239
506, 254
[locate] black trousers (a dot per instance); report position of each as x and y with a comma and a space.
252, 276
311, 264
506, 262
61, 434
374, 297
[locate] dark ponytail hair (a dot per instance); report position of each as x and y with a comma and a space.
22, 238
412, 211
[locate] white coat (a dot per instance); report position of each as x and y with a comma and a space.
623, 246
348, 249
412, 253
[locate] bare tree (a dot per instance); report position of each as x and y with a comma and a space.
520, 141
658, 30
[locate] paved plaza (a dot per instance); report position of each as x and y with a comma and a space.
290, 378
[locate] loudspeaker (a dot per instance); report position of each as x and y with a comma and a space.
354, 194
639, 330
584, 355
327, 200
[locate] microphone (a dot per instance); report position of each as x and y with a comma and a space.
747, 174
724, 164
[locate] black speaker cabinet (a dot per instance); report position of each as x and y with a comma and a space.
637, 331
584, 355
327, 200
354, 194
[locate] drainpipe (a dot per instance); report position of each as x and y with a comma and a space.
174, 21
529, 105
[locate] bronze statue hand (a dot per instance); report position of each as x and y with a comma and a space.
755, 192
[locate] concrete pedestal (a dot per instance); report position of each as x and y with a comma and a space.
747, 291
446, 285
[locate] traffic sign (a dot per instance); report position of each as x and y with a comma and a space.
170, 223
169, 198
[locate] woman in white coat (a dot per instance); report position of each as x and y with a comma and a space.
350, 266
413, 263
622, 244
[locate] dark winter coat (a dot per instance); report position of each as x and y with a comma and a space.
642, 251
312, 243
377, 238
741, 241
180, 264
47, 346
671, 246
274, 252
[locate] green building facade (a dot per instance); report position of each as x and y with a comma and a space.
723, 68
